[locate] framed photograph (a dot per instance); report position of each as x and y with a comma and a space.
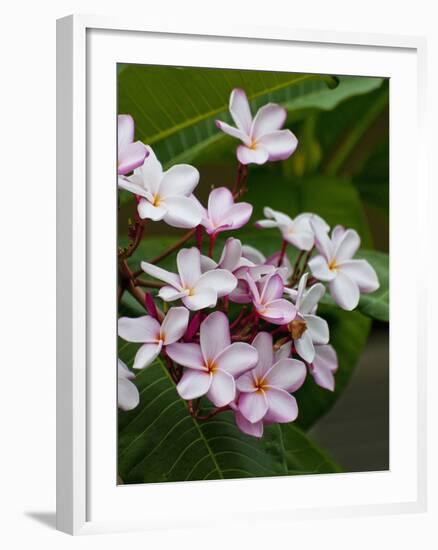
234, 210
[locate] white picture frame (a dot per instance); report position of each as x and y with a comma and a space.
88, 499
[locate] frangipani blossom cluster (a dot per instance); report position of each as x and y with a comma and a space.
236, 330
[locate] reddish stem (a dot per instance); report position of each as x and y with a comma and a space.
282, 253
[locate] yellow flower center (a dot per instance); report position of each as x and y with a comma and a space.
332, 265
211, 366
260, 385
253, 144
157, 200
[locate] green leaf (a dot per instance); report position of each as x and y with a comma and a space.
348, 335
302, 455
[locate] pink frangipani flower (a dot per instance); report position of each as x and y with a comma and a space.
128, 396
131, 154
346, 277
223, 214
148, 331
262, 136
323, 367
231, 258
307, 328
264, 391
267, 299
212, 365
197, 290
165, 195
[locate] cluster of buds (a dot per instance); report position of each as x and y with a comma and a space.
244, 331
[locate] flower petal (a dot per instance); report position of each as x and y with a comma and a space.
133, 185
311, 297
125, 131
203, 298
220, 280
320, 269
362, 273
253, 406
263, 343
170, 294
222, 389
345, 291
240, 111
269, 118
284, 351
187, 354
282, 406
146, 354
193, 384
150, 172
231, 131
148, 211
188, 261
180, 180
272, 289
287, 374
220, 201
318, 327
182, 212
128, 396
141, 329
322, 240
159, 273
255, 429
280, 144
324, 365
130, 157
279, 312
246, 382
253, 155
238, 215
252, 254
231, 254
237, 358
174, 325
347, 246
214, 335
305, 347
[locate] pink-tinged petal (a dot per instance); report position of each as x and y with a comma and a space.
231, 254
180, 180
222, 389
266, 224
272, 289
253, 406
282, 406
148, 211
237, 358
220, 280
246, 383
132, 185
150, 172
284, 351
279, 312
182, 212
241, 294
188, 261
318, 328
252, 254
214, 335
170, 294
286, 374
125, 131
253, 155
311, 297
220, 201
123, 371
238, 215
146, 355
128, 396
193, 384
320, 269
203, 298
254, 429
207, 264
301, 289
131, 157
281, 218
337, 235
174, 325
322, 240
240, 111
264, 345
305, 347
302, 240
362, 273
280, 145
269, 118
159, 273
324, 365
231, 131
344, 291
187, 354
142, 329
347, 246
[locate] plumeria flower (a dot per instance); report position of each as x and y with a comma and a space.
264, 391
262, 136
131, 154
223, 214
165, 195
128, 396
323, 367
257, 258
212, 365
347, 278
267, 300
307, 328
298, 231
197, 290
148, 331
231, 258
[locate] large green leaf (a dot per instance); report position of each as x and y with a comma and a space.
159, 441
348, 335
